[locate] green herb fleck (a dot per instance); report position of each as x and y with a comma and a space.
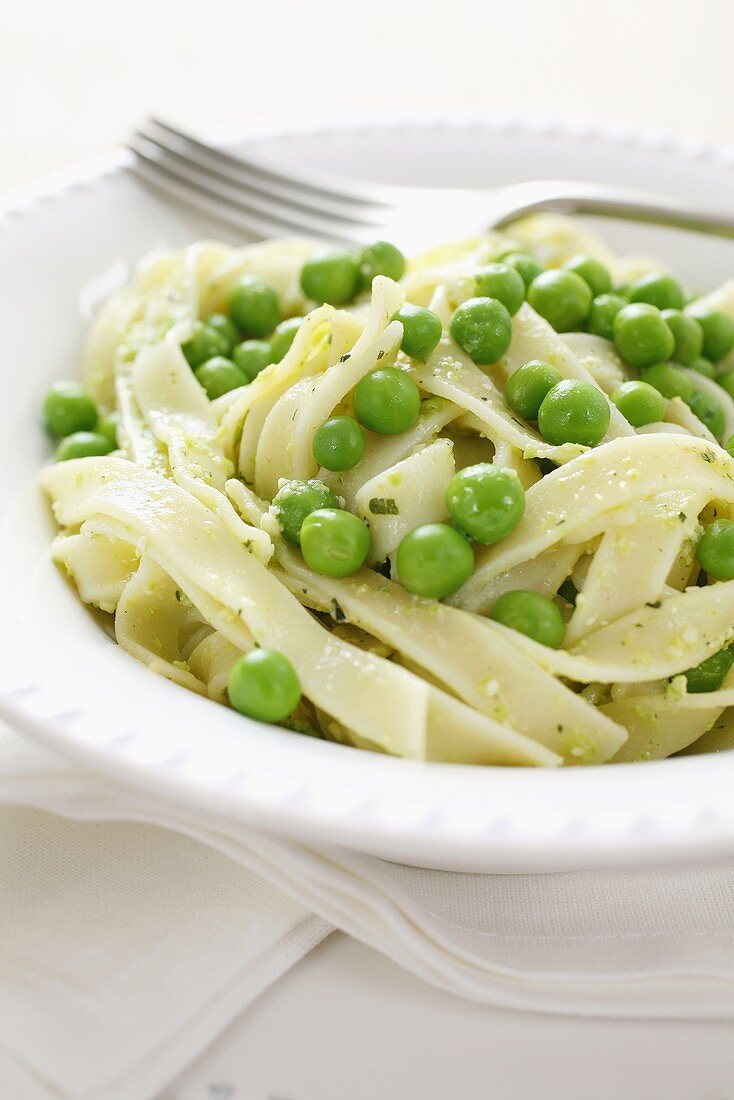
383, 506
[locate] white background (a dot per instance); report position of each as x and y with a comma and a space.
75, 77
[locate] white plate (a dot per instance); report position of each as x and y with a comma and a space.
63, 680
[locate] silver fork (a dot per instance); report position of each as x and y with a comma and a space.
268, 202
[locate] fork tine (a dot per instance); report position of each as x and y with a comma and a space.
250, 211
351, 197
253, 223
258, 191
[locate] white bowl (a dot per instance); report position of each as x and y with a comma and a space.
63, 680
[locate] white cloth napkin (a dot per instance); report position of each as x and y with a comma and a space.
133, 930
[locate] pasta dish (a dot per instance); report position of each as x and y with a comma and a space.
474, 507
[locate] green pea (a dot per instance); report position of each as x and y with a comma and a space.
525, 264
642, 336
422, 330
67, 408
339, 444
726, 381
482, 327
669, 381
592, 271
562, 297
528, 386
662, 291
204, 343
532, 614
283, 337
254, 306
639, 403
223, 324
296, 500
387, 401
485, 502
218, 376
107, 426
334, 543
82, 445
380, 258
718, 330
711, 673
434, 560
252, 356
574, 412
709, 412
703, 366
263, 685
603, 310
715, 550
330, 276
687, 334
502, 282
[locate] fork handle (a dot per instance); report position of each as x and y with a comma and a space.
615, 202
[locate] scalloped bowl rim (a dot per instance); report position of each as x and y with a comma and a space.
452, 816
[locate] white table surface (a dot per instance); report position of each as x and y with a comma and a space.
74, 78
